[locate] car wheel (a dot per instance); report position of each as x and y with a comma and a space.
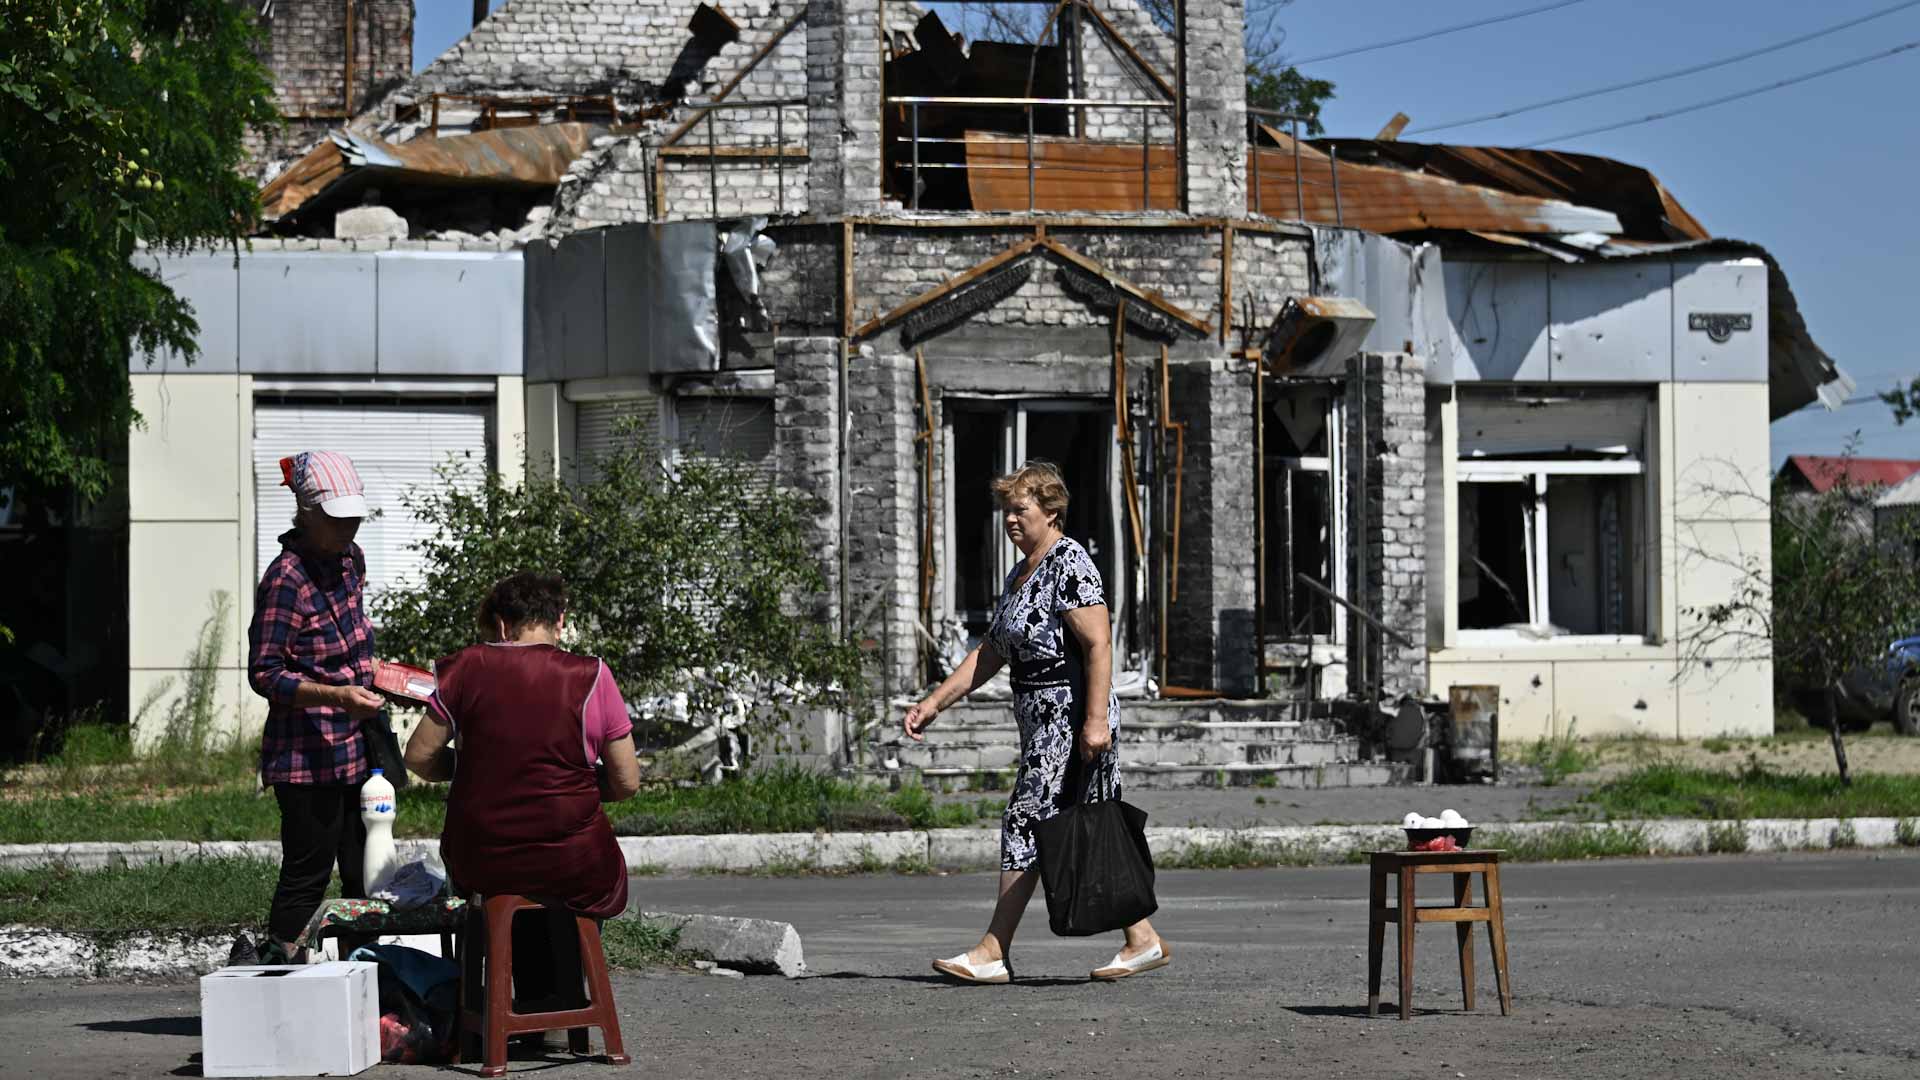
1906, 708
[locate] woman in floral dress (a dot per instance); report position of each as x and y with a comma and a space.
1050, 623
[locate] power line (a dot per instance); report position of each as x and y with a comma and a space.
1678, 73
1435, 33
1697, 106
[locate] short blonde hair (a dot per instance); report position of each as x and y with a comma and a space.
1036, 480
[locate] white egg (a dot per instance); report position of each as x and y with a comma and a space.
1432, 823
1451, 817
1411, 821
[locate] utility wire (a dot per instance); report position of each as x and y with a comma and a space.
1435, 33
1697, 106
1678, 73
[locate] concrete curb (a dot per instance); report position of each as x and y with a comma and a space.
979, 849
754, 946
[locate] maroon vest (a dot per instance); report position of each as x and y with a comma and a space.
524, 815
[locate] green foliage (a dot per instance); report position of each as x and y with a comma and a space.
1904, 401
195, 894
1678, 791
124, 123
1564, 843
1727, 838
684, 579
1907, 832
1284, 89
1558, 758
636, 943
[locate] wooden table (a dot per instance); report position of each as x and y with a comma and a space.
1406, 867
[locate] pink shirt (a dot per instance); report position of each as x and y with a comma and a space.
603, 717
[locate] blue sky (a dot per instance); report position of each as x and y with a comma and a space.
1805, 171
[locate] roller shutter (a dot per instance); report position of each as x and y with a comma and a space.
395, 447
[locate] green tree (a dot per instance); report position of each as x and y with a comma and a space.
1905, 401
1837, 591
123, 122
685, 580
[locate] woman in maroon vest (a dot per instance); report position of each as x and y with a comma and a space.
543, 739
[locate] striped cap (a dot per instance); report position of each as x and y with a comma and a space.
325, 480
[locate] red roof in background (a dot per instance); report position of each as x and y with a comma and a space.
1822, 473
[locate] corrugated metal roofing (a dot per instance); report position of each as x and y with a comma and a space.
1070, 175
1905, 493
1822, 473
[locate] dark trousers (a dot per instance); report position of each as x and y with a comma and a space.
319, 825
546, 962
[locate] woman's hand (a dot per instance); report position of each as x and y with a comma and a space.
359, 701
1096, 737
919, 715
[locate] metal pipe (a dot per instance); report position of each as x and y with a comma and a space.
1259, 531
1299, 192
347, 79
1350, 606
916, 154
1333, 163
1255, 125
780, 156
1010, 102
479, 11
713, 172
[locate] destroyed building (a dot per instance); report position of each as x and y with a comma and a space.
1348, 419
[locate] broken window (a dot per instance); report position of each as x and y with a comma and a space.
988, 438
1304, 531
1554, 501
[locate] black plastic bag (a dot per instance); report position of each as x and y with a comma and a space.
1096, 867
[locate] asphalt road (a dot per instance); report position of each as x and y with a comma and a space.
1786, 966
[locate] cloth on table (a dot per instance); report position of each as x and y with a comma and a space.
414, 884
445, 915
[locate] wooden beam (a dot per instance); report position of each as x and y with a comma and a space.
1226, 283
1179, 429
733, 83
954, 284
1124, 430
1151, 299
1127, 47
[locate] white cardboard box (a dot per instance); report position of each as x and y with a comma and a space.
310, 1020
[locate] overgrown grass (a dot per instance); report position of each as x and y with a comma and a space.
1755, 791
197, 894
1729, 838
1557, 758
1241, 853
229, 813
787, 799
1565, 843
635, 943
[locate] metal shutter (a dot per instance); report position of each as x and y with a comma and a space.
604, 428
1540, 424
740, 428
394, 446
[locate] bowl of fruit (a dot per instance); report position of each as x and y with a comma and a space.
1448, 832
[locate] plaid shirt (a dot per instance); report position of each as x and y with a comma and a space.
309, 626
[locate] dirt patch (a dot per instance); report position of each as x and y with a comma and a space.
1808, 752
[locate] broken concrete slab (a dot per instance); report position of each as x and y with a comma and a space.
756, 946
369, 223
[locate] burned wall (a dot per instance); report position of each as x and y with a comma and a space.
305, 48
883, 537
806, 409
1387, 562
1210, 615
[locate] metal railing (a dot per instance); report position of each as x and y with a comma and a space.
914, 104
493, 111
705, 115
1300, 182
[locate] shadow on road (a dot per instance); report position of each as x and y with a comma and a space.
942, 980
153, 1025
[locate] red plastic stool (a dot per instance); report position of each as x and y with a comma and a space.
486, 981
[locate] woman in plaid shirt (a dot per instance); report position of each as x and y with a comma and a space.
310, 654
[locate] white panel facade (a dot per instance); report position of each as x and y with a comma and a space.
1720, 321
448, 312
1499, 315
308, 313
1612, 322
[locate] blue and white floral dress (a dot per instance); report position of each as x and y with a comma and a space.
1049, 684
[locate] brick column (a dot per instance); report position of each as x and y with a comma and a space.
1210, 627
843, 106
1388, 549
1216, 116
806, 406
883, 557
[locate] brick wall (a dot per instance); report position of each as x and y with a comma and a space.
1216, 107
1210, 621
843, 105
1388, 553
305, 51
883, 542
806, 410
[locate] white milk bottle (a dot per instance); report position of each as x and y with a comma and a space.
377, 809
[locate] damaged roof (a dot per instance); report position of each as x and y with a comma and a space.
1822, 473
345, 163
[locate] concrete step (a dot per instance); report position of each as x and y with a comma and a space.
1142, 776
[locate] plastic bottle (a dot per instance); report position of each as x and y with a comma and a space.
377, 810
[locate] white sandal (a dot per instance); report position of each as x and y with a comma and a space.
1156, 957
993, 971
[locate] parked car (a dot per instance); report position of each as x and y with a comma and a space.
1888, 689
